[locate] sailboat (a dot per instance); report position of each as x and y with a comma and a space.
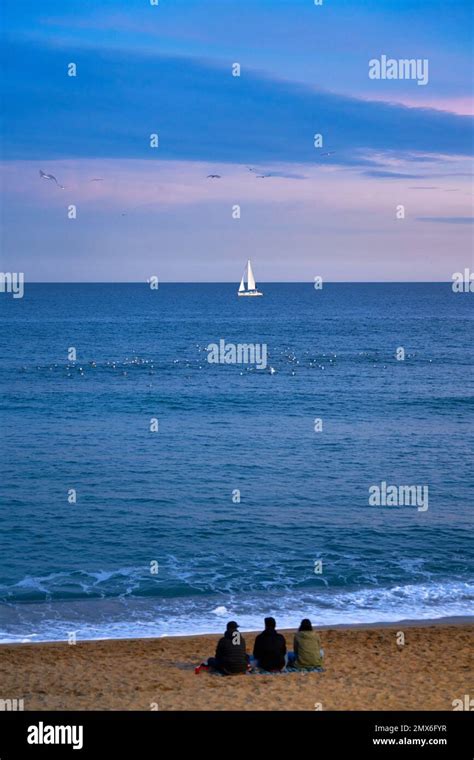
251, 289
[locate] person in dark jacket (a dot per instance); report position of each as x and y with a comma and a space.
270, 647
231, 657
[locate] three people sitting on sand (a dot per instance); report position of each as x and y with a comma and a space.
269, 652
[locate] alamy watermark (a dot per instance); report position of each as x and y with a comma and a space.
466, 703
401, 68
463, 282
46, 734
237, 353
12, 282
384, 495
12, 705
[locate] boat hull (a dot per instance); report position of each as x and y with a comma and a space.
249, 293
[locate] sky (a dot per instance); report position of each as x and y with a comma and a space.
386, 197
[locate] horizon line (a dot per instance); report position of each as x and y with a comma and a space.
233, 282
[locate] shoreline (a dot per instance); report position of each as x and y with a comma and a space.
366, 667
455, 620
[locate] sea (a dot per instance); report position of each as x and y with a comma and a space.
147, 491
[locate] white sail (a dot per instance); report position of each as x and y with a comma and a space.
250, 277
251, 289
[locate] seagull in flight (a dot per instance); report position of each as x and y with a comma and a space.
43, 175
97, 179
213, 176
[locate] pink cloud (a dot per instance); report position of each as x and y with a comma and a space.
462, 106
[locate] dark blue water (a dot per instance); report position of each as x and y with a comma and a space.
166, 496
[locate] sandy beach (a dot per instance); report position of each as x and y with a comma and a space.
365, 669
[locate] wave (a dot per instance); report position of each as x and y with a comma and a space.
213, 573
152, 617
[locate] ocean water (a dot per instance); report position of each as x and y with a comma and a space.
169, 496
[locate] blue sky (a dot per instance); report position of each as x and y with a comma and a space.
167, 69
